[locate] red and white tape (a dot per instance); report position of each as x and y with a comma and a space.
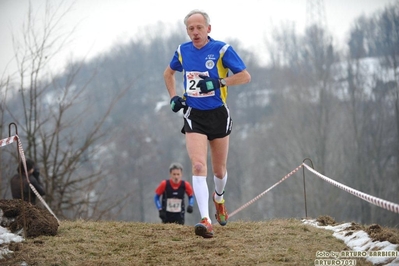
10, 140
6, 141
264, 192
393, 207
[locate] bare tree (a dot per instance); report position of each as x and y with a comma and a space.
55, 120
370, 91
4, 132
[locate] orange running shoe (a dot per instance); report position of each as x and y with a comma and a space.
221, 212
204, 228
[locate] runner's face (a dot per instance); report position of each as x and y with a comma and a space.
197, 30
175, 175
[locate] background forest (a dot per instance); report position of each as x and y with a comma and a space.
103, 133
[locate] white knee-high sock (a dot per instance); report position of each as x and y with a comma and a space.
201, 193
219, 187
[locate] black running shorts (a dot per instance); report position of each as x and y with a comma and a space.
215, 123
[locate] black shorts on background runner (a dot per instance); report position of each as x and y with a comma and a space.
215, 123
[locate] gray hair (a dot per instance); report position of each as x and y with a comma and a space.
197, 11
174, 166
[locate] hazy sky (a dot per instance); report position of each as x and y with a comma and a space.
102, 23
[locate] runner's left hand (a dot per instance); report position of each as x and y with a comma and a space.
208, 84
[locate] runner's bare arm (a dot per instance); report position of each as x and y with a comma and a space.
238, 78
170, 81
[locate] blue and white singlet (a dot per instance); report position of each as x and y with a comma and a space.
213, 60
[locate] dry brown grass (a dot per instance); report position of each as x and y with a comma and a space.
274, 242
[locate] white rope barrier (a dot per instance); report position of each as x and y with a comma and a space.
10, 140
393, 207
264, 192
7, 141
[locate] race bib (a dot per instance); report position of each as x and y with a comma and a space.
173, 205
192, 79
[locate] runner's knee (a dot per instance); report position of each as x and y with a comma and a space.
198, 168
220, 173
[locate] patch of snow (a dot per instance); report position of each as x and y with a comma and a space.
6, 237
376, 252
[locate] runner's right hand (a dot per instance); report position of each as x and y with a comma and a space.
177, 103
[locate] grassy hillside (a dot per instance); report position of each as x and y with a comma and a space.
274, 242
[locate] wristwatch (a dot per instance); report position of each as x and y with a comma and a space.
222, 82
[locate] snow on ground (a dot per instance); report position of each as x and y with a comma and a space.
361, 245
6, 237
